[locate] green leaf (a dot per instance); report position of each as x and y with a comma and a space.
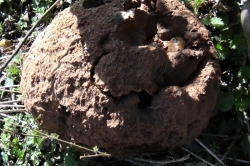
244, 74
19, 97
54, 135
17, 89
217, 22
242, 104
222, 52
48, 163
5, 157
69, 161
214, 21
95, 149
15, 141
83, 162
225, 102
73, 153
9, 82
237, 59
12, 71
238, 43
198, 3
31, 141
20, 154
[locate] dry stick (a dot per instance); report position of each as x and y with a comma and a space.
10, 86
95, 155
41, 134
233, 137
44, 135
11, 101
11, 91
209, 151
12, 106
197, 156
234, 159
12, 111
229, 148
27, 35
215, 135
4, 57
72, 144
163, 162
3, 77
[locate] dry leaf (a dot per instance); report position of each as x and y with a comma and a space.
6, 45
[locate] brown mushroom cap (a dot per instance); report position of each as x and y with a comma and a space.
104, 76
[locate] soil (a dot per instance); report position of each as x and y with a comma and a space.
127, 76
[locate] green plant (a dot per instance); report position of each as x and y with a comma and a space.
39, 8
22, 144
13, 71
1, 28
230, 118
22, 23
194, 5
18, 148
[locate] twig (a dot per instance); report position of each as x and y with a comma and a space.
95, 155
10, 86
215, 135
4, 57
197, 156
70, 143
11, 106
13, 111
3, 77
28, 34
11, 91
44, 135
163, 162
209, 151
234, 159
233, 137
11, 101
229, 148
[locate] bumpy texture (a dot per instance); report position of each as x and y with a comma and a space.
126, 76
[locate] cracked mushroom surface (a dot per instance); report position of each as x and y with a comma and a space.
126, 76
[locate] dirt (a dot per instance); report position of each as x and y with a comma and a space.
126, 76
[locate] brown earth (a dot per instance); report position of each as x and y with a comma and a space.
126, 76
